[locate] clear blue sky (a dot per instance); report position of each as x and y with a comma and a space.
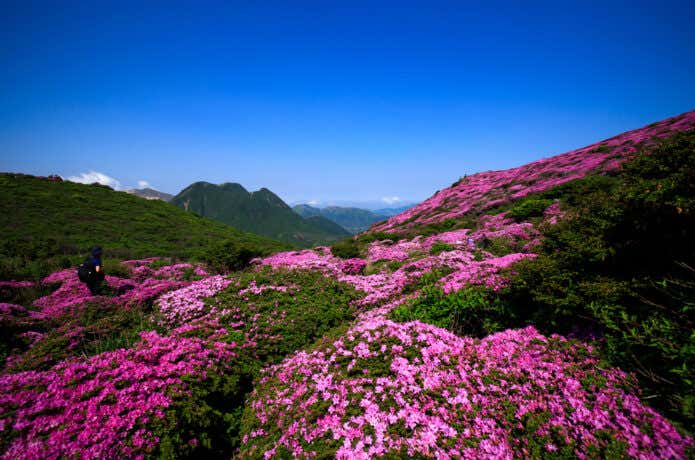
329, 100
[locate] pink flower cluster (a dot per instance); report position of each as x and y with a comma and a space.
73, 292
553, 213
353, 266
500, 226
484, 190
387, 250
187, 303
101, 407
483, 273
145, 284
140, 269
416, 389
9, 309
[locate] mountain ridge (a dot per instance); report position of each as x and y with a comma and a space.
261, 212
354, 220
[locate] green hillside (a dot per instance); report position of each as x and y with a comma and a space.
260, 212
48, 224
354, 220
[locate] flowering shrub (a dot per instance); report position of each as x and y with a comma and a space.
414, 389
353, 266
186, 303
102, 407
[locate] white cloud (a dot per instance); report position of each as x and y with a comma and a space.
391, 199
144, 184
93, 176
313, 202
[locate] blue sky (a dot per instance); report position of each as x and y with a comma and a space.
329, 100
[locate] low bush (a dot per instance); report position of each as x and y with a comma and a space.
440, 247
230, 255
346, 249
474, 311
527, 209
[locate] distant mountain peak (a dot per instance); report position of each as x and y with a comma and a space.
151, 194
261, 212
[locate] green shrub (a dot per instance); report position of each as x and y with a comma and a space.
474, 311
230, 255
440, 247
346, 249
367, 238
529, 208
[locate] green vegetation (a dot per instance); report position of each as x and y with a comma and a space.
474, 311
261, 212
49, 225
229, 255
346, 249
440, 247
526, 209
622, 268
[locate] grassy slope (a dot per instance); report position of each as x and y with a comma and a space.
47, 224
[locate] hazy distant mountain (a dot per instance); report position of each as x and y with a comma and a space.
261, 212
151, 194
394, 211
371, 205
354, 220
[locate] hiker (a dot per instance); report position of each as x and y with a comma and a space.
91, 271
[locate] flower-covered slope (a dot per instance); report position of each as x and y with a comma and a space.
485, 190
69, 391
298, 357
404, 390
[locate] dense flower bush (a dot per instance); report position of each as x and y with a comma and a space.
416, 389
101, 407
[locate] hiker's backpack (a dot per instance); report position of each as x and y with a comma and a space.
85, 270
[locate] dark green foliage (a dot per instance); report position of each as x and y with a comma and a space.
621, 267
440, 247
50, 225
568, 193
317, 305
529, 208
498, 246
473, 312
261, 212
367, 238
230, 255
346, 249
